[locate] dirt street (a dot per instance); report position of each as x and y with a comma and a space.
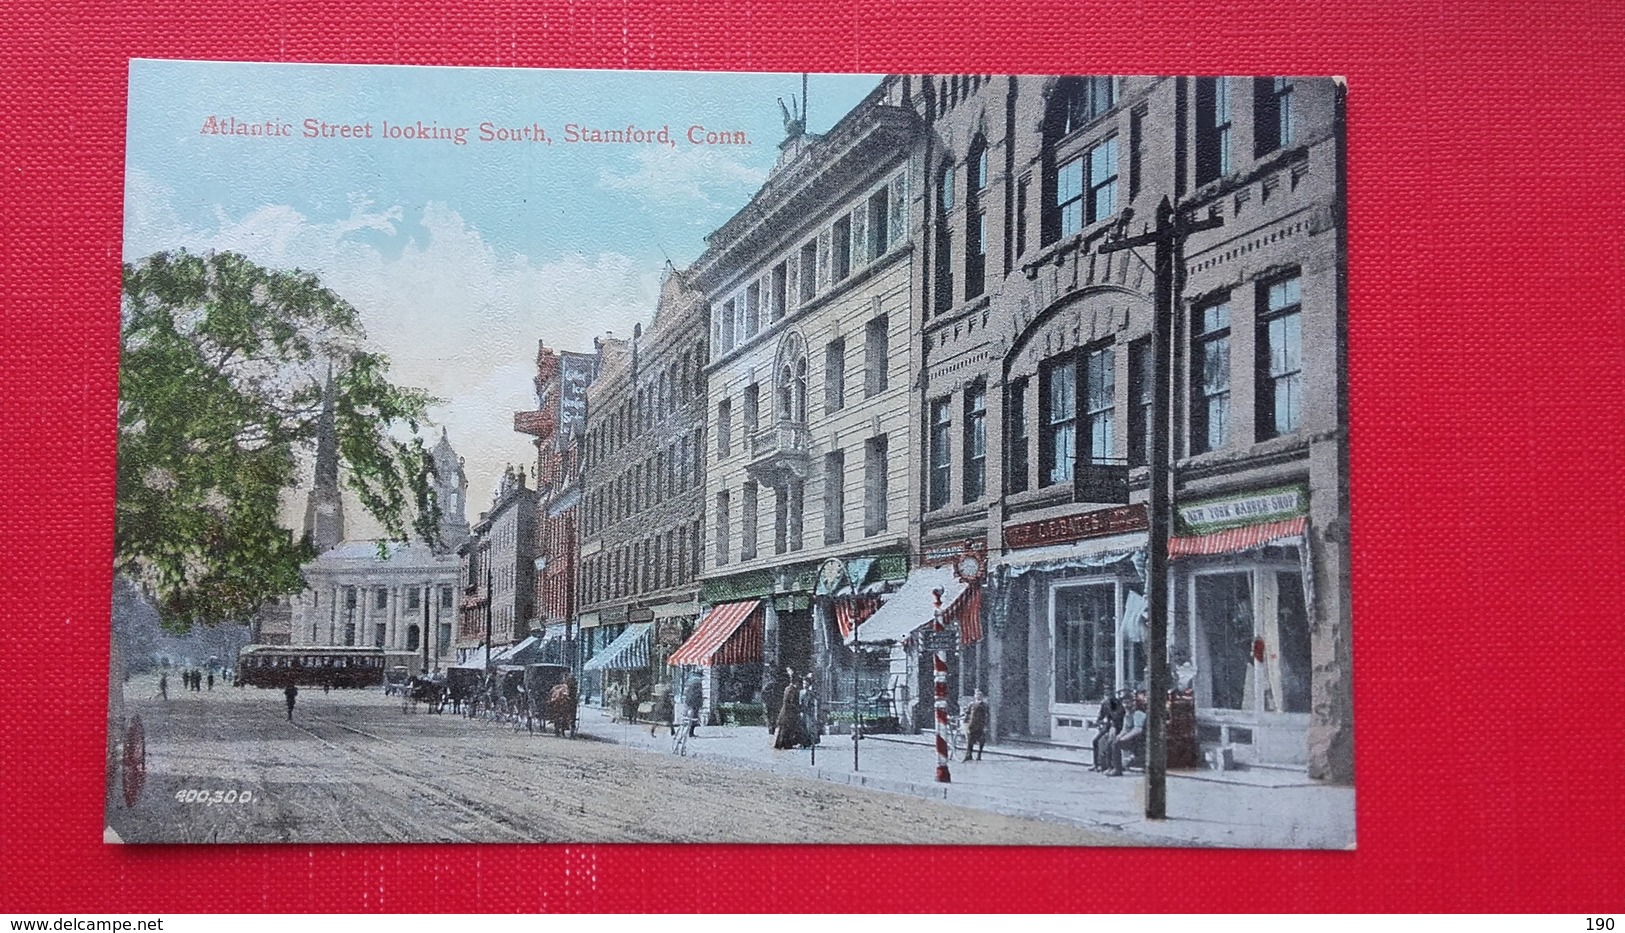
353, 767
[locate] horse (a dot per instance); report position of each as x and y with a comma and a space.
561, 709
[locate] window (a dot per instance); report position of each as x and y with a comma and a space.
941, 428
1016, 468
724, 428
875, 497
975, 218
753, 410
834, 497
945, 266
414, 598
975, 252
809, 270
945, 189
1083, 101
897, 224
1069, 197
727, 332
1099, 401
445, 597
1272, 114
879, 223
747, 520
1136, 141
1059, 415
1021, 216
842, 245
1140, 374
1210, 375
835, 375
722, 528
792, 375
1103, 180
1212, 129
875, 356
1085, 637
753, 309
795, 504
380, 598
1279, 358
975, 438
378, 632
781, 519
778, 290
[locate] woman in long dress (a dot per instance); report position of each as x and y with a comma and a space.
789, 723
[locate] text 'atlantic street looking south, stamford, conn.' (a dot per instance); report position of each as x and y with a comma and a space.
558, 456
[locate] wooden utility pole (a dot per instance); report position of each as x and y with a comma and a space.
1169, 240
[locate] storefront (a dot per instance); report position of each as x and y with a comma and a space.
622, 666
1068, 602
727, 647
1242, 639
887, 641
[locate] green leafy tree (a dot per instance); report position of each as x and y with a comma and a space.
221, 385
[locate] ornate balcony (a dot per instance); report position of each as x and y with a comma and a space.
778, 453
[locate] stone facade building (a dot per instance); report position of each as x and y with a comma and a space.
641, 489
498, 570
808, 480
1036, 395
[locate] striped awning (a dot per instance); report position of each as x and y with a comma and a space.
912, 606
628, 652
851, 611
1235, 540
731, 633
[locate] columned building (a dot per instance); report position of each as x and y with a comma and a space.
808, 478
1036, 384
391, 595
642, 480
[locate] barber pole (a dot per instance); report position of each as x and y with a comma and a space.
939, 677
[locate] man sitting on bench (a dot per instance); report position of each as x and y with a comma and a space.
1131, 740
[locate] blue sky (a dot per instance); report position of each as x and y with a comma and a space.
459, 258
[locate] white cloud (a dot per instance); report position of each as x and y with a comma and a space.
456, 316
683, 176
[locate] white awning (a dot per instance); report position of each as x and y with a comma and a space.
911, 606
1080, 555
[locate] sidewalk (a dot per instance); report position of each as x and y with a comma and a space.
1244, 809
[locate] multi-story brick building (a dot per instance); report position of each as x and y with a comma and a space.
641, 484
808, 481
1037, 384
557, 424
498, 571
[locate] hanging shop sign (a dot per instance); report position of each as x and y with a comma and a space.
1251, 508
1100, 523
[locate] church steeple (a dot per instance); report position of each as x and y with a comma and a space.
450, 494
324, 511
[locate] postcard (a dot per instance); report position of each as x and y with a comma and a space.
589, 456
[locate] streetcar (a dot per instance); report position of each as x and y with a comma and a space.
333, 666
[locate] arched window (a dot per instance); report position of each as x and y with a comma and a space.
945, 236
791, 378
975, 217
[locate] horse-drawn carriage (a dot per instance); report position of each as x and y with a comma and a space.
554, 696
424, 688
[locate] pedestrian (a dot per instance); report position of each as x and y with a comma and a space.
808, 701
976, 715
290, 693
693, 699
789, 721
1131, 739
1108, 722
772, 691
163, 684
211, 680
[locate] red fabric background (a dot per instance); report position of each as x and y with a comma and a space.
1485, 348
